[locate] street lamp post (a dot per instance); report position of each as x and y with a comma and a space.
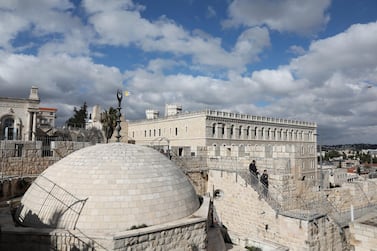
118, 128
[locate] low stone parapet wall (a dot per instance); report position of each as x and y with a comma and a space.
186, 234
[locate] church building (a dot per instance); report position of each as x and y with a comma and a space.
20, 117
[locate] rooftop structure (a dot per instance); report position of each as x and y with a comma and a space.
138, 186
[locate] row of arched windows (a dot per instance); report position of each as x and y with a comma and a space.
221, 130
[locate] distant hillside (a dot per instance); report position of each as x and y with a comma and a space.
356, 147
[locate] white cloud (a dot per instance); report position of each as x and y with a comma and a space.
125, 26
350, 53
63, 81
43, 20
298, 16
250, 43
296, 50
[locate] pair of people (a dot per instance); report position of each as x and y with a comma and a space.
254, 177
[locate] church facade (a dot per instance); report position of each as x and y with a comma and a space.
20, 117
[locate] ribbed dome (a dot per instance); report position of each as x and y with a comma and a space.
108, 187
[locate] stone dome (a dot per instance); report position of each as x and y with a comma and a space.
108, 188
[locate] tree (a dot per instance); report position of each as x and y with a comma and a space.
332, 154
79, 117
109, 122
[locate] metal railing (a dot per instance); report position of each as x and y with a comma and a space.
56, 199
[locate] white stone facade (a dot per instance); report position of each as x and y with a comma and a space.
20, 117
210, 127
272, 142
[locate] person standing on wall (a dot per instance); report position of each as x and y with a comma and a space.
253, 172
264, 181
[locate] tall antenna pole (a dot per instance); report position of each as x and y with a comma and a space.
118, 128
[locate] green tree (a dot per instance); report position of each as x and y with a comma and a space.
332, 154
79, 117
109, 122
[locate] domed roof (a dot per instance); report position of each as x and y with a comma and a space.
108, 187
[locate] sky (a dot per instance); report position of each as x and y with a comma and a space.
305, 60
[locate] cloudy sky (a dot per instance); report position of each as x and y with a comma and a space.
297, 59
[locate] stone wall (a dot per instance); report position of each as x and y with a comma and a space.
358, 194
25, 158
250, 219
25, 166
186, 234
188, 237
364, 233
63, 148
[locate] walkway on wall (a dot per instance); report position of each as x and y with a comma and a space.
289, 205
298, 207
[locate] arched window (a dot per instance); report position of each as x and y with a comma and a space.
8, 126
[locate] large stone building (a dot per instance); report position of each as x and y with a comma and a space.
277, 144
216, 128
20, 117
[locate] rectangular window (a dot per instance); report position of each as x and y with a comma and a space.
18, 150
176, 131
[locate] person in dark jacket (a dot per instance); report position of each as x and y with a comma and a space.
264, 181
253, 172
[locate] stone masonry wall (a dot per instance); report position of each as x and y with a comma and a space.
29, 160
250, 219
184, 238
22, 166
64, 148
364, 233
